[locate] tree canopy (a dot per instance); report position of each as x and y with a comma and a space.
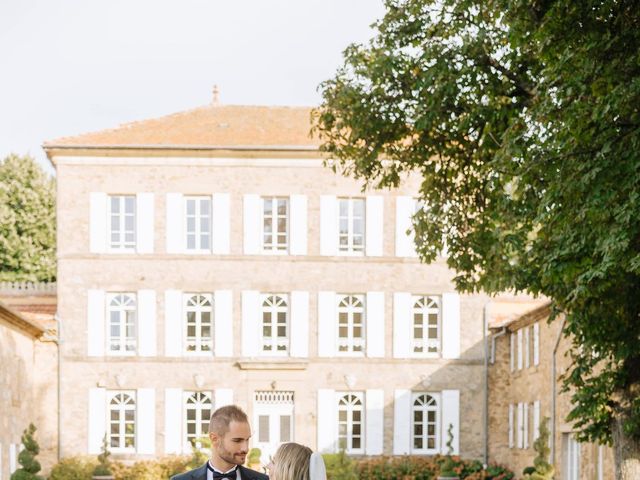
27, 221
522, 117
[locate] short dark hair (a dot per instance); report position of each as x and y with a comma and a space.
223, 416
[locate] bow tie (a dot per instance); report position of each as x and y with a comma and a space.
219, 476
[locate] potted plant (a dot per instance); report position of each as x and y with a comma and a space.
542, 469
27, 457
103, 469
447, 467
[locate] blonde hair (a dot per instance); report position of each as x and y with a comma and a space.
291, 462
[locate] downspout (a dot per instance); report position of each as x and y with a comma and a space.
59, 343
553, 394
485, 341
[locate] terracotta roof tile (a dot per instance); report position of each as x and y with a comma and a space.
208, 126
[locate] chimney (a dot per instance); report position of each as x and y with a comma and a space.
215, 99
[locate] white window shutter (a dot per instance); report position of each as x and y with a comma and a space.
146, 323
450, 325
327, 324
519, 349
298, 225
511, 414
525, 426
173, 323
328, 225
374, 227
252, 213
402, 422
327, 421
173, 419
97, 420
527, 351
374, 318
299, 324
145, 222
221, 232
13, 456
520, 425
98, 231
536, 420
223, 323
223, 397
96, 328
451, 415
374, 418
405, 208
146, 420
536, 344
175, 223
512, 351
251, 328
402, 327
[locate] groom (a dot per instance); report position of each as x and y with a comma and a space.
229, 432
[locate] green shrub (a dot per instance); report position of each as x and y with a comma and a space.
27, 457
73, 468
339, 466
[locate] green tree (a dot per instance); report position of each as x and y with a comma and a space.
27, 221
27, 457
522, 118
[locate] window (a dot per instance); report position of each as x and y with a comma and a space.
273, 414
351, 324
199, 323
426, 325
198, 223
425, 424
519, 349
351, 423
512, 351
275, 224
275, 324
571, 457
122, 323
122, 222
351, 225
511, 425
122, 421
197, 414
536, 343
527, 349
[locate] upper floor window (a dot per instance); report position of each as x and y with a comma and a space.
197, 408
122, 421
122, 222
122, 311
426, 325
425, 424
199, 323
198, 224
351, 423
275, 325
351, 225
351, 337
275, 224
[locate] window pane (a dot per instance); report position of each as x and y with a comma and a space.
285, 428
263, 428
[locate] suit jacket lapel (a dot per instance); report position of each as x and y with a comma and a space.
200, 473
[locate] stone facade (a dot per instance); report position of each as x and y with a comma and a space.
384, 379
521, 394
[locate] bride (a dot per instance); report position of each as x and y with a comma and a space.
293, 461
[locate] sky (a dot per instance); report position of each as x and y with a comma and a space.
76, 66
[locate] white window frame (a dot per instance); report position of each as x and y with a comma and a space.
121, 244
350, 402
351, 249
355, 345
122, 421
198, 340
198, 232
430, 304
527, 347
273, 245
512, 352
425, 409
571, 457
123, 340
511, 424
271, 306
536, 344
519, 349
196, 401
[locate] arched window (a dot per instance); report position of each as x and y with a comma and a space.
426, 325
425, 424
275, 324
199, 323
351, 324
122, 421
351, 423
122, 323
197, 410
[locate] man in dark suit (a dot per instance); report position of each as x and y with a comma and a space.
229, 432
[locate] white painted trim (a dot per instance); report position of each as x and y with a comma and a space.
374, 318
299, 323
96, 328
252, 222
520, 349
405, 208
251, 330
97, 419
327, 321
536, 344
98, 226
146, 421
402, 325
328, 225
374, 231
298, 225
223, 323
174, 226
146, 323
450, 325
536, 420
221, 223
145, 221
173, 406
450, 415
327, 421
402, 422
173, 321
374, 417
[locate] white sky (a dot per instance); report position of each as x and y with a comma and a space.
75, 66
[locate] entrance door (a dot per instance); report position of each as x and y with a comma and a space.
273, 419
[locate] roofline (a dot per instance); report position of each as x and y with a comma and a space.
526, 318
17, 320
